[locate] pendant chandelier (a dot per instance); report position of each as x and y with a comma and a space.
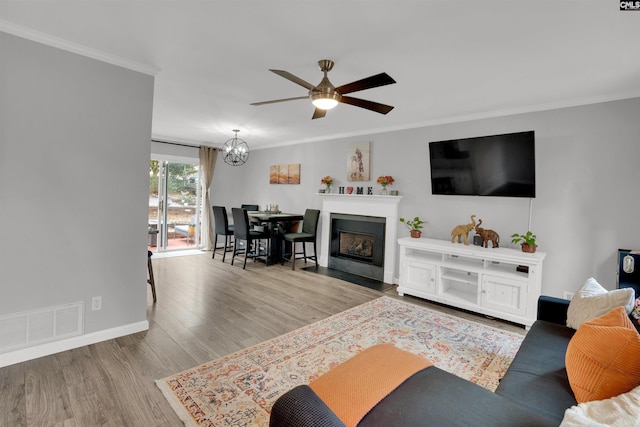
236, 151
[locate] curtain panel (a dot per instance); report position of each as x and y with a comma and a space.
208, 157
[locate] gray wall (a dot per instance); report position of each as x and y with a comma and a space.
587, 184
74, 153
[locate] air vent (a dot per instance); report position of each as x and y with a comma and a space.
26, 329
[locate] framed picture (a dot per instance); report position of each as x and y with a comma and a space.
284, 174
358, 161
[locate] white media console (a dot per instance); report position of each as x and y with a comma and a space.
504, 283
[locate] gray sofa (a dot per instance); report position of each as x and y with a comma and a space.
535, 390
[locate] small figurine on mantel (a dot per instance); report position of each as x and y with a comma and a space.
462, 231
487, 235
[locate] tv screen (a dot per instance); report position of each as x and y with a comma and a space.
497, 165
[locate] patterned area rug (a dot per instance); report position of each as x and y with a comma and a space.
239, 389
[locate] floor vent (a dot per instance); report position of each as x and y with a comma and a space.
19, 330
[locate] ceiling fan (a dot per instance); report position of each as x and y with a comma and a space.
325, 96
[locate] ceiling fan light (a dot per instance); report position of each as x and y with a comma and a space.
324, 103
324, 96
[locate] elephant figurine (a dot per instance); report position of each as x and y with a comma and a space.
487, 235
462, 231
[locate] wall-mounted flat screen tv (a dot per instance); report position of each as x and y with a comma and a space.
497, 165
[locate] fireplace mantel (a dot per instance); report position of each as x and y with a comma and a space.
367, 205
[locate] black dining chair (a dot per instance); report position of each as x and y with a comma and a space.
251, 238
251, 208
222, 228
308, 234
151, 280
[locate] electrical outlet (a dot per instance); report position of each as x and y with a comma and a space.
96, 303
568, 295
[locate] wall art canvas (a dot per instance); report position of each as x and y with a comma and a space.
358, 161
284, 174
294, 173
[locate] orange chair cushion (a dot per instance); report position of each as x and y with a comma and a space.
603, 357
354, 387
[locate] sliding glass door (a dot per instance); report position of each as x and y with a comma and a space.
174, 205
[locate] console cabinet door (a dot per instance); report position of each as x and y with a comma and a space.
504, 294
419, 276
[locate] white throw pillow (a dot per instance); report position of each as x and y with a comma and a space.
592, 301
619, 411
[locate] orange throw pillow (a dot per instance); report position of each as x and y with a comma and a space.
603, 357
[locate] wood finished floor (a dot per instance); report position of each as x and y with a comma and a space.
205, 310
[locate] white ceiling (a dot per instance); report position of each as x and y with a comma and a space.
452, 60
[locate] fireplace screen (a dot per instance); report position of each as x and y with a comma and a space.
357, 245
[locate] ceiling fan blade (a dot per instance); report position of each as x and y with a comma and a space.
381, 79
279, 100
369, 105
318, 114
287, 75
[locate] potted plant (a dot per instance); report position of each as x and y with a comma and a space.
328, 181
385, 180
527, 241
415, 226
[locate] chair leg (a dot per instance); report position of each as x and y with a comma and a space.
247, 247
293, 255
224, 250
315, 254
151, 280
256, 250
304, 251
233, 257
267, 249
255, 244
215, 245
282, 251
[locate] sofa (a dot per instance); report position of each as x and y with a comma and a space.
535, 390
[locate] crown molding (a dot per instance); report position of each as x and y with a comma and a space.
49, 40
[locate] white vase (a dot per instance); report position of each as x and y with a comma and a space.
384, 191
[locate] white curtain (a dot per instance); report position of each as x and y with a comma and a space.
208, 157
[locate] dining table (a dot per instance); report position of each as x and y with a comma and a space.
277, 223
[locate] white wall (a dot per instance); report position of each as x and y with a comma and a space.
74, 153
587, 176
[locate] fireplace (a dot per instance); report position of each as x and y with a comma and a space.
380, 212
357, 245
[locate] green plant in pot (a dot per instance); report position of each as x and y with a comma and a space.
415, 226
527, 241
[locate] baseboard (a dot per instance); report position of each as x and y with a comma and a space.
29, 353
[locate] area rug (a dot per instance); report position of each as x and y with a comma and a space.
239, 389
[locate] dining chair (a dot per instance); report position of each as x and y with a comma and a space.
222, 228
151, 280
250, 208
308, 234
243, 233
